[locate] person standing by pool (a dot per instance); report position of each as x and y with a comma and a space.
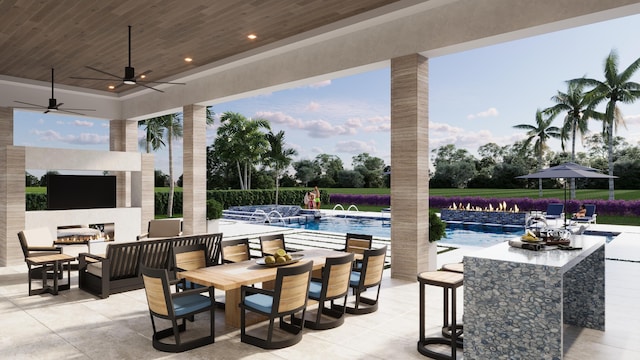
316, 192
309, 199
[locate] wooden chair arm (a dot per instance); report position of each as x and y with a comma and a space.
254, 290
187, 292
45, 248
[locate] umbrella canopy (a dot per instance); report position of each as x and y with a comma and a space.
567, 170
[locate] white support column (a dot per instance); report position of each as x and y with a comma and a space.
12, 192
411, 251
194, 176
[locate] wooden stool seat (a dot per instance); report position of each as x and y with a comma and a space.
449, 281
454, 267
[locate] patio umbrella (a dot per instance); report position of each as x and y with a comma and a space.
565, 171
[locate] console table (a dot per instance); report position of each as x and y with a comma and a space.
516, 301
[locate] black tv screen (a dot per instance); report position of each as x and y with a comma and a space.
65, 192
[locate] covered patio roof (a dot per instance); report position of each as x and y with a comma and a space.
297, 42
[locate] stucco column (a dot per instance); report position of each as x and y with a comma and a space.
411, 251
194, 175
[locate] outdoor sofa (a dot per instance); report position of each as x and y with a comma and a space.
119, 269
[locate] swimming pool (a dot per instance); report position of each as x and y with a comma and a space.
458, 234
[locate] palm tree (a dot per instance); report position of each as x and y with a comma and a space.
542, 131
615, 88
154, 135
172, 125
579, 109
278, 156
241, 141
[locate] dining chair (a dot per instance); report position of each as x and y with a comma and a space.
174, 307
368, 277
270, 243
333, 285
236, 250
189, 257
288, 297
356, 244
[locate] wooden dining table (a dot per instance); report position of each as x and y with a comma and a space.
231, 277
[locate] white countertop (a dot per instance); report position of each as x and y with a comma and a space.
555, 258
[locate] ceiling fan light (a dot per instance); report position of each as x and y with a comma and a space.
129, 76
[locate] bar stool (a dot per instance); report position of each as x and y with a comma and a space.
446, 329
448, 281
454, 267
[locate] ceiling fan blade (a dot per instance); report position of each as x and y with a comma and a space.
161, 82
67, 109
149, 87
26, 103
104, 72
71, 112
86, 78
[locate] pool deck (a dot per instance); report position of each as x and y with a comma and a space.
76, 324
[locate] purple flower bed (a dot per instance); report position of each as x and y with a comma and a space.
604, 207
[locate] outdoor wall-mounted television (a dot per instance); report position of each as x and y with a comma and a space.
65, 192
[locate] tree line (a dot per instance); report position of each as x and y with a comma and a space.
580, 104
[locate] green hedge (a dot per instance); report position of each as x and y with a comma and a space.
226, 197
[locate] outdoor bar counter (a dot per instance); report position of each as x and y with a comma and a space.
516, 300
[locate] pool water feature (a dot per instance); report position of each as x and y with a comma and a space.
458, 234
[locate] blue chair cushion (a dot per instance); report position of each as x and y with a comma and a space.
354, 279
315, 288
260, 302
186, 304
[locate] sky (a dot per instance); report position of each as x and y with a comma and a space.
475, 97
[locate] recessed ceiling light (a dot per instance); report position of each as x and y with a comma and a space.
143, 76
111, 87
252, 36
188, 59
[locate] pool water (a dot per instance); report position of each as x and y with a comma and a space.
469, 235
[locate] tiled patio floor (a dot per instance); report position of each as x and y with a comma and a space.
78, 325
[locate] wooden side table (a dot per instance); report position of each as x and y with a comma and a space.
55, 263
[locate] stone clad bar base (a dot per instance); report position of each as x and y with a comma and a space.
516, 309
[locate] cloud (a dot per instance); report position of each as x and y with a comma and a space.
313, 106
314, 128
632, 120
81, 139
324, 129
281, 118
320, 84
444, 128
356, 147
491, 112
83, 123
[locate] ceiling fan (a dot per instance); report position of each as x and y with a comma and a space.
53, 104
129, 75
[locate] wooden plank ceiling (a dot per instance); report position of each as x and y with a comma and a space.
69, 35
